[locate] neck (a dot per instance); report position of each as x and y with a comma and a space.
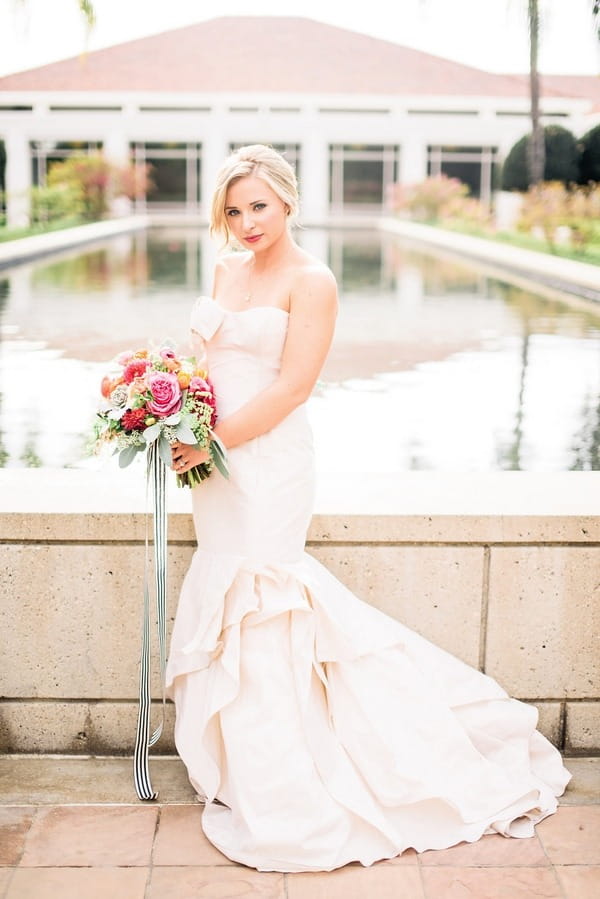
275, 254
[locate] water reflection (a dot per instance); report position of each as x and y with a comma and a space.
451, 369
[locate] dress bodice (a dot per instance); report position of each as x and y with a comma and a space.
242, 348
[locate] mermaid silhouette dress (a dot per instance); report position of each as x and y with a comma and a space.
326, 731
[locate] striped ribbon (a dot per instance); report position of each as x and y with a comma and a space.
155, 479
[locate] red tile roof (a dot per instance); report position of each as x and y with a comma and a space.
585, 87
264, 53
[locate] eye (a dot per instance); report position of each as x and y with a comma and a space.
258, 206
231, 212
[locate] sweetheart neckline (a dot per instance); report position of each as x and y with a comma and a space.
241, 311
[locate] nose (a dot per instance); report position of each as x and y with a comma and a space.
248, 220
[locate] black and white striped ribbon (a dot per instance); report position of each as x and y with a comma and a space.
155, 479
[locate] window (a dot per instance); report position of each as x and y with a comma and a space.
474, 166
44, 153
175, 170
360, 173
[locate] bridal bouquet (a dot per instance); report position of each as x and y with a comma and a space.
155, 399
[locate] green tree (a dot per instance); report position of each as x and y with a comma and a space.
589, 161
561, 159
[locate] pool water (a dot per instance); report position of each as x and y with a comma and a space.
434, 364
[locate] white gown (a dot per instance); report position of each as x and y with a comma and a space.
327, 731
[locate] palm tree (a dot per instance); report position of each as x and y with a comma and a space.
536, 150
87, 10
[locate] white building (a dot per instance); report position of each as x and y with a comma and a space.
352, 112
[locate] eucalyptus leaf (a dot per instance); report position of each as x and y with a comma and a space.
173, 419
127, 456
151, 433
217, 452
164, 451
185, 434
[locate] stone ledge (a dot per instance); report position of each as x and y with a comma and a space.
23, 249
108, 505
568, 275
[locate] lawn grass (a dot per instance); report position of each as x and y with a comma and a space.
18, 233
528, 242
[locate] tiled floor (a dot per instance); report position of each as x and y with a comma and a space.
126, 850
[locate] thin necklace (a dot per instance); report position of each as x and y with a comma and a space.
248, 297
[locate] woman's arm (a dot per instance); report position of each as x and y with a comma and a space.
313, 310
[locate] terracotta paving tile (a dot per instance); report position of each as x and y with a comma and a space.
408, 857
90, 835
352, 882
181, 841
214, 883
490, 883
14, 825
493, 849
579, 881
73, 883
5, 876
572, 835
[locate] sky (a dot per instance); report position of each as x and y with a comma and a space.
488, 34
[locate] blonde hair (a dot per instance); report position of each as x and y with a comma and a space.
262, 161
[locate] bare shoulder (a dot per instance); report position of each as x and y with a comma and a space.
228, 265
314, 283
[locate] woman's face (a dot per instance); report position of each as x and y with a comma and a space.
255, 215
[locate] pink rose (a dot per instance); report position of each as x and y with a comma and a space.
167, 353
199, 385
166, 393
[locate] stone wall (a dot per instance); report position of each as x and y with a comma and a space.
517, 595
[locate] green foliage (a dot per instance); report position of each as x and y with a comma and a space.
589, 161
53, 203
562, 162
86, 179
89, 182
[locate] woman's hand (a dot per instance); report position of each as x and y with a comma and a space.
186, 456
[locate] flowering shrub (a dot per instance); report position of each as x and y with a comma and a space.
551, 205
438, 198
92, 180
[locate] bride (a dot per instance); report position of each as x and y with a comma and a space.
316, 730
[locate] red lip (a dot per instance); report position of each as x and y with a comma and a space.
253, 238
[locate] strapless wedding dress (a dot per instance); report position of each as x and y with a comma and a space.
326, 731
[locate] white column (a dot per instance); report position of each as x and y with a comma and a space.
314, 179
116, 147
215, 150
18, 179
116, 150
413, 161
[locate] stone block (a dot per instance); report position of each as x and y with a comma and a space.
75, 618
549, 721
81, 728
435, 591
583, 728
544, 612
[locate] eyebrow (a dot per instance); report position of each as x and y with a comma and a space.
253, 203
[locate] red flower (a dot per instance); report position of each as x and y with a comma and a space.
135, 369
134, 419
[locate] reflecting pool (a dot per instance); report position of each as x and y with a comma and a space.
434, 365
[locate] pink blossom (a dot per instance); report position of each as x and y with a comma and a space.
124, 358
167, 353
199, 385
166, 393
